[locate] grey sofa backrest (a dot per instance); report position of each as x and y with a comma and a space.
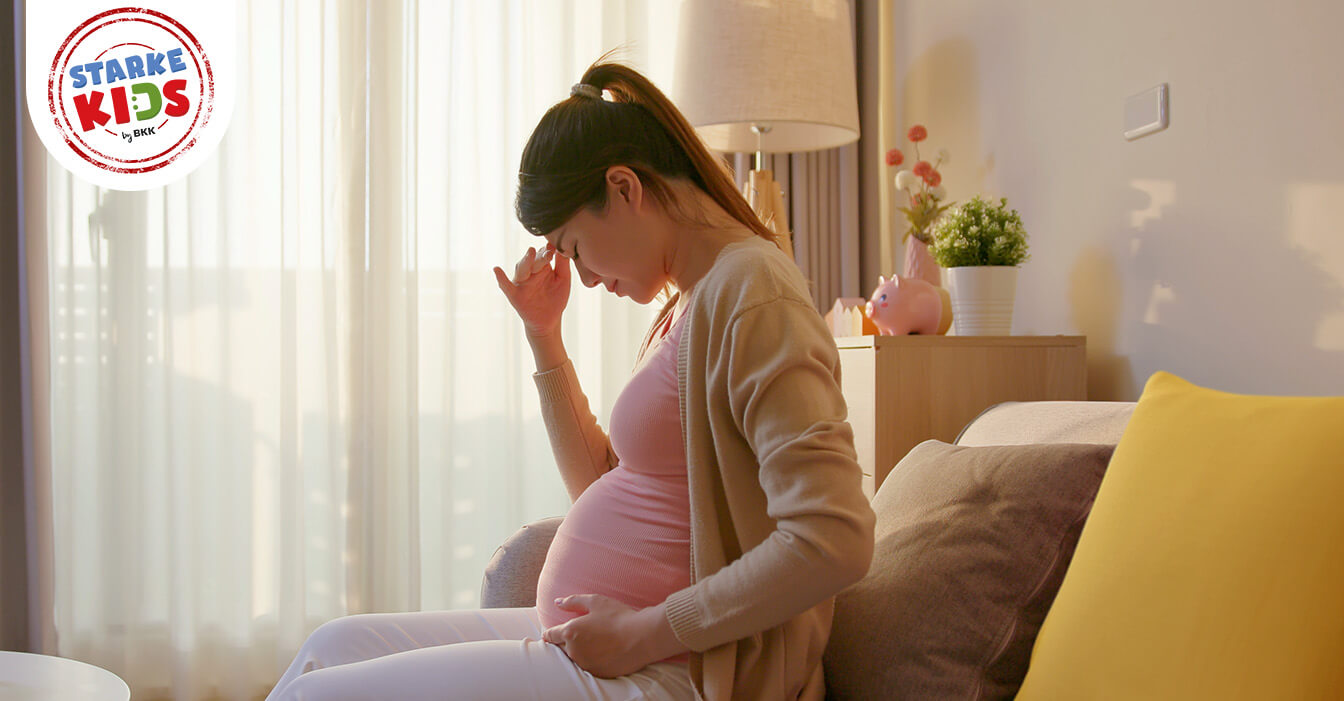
510, 579
1017, 423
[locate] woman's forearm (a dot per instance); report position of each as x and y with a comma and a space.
548, 351
659, 641
582, 449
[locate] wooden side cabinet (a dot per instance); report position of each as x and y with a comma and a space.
904, 390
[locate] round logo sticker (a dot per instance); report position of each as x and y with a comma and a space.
132, 94
130, 87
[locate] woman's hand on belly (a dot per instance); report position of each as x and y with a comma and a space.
610, 639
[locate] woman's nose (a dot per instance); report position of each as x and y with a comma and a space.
586, 276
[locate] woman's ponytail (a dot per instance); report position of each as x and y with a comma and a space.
627, 85
565, 162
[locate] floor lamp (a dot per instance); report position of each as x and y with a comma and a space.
769, 76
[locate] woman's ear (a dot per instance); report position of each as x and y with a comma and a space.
624, 184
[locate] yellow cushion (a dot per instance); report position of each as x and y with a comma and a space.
1212, 564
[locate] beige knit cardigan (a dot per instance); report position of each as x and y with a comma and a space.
779, 521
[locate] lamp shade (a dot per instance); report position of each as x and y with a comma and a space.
783, 64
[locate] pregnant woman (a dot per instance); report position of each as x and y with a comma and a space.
717, 517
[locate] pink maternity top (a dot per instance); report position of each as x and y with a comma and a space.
628, 536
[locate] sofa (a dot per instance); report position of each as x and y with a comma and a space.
1189, 545
510, 579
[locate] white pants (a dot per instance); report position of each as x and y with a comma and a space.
439, 655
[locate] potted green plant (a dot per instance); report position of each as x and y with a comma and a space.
980, 244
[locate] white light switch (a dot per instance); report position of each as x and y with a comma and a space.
1146, 112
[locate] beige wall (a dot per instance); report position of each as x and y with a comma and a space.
1214, 249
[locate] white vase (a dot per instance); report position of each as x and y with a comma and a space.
982, 299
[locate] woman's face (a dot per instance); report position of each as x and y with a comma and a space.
617, 248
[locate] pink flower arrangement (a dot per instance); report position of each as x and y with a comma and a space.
922, 184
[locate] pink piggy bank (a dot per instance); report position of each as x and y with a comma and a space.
905, 305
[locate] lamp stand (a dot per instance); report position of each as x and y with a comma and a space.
766, 197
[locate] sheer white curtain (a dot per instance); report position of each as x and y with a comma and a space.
287, 388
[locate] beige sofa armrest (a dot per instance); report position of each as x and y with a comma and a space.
1018, 423
510, 579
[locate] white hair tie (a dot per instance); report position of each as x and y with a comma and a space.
586, 90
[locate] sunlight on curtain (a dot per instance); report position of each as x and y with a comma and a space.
287, 388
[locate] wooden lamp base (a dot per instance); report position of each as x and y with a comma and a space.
767, 199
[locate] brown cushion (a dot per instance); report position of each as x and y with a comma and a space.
972, 544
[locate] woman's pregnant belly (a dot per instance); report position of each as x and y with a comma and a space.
628, 537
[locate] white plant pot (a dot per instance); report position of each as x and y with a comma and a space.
982, 299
